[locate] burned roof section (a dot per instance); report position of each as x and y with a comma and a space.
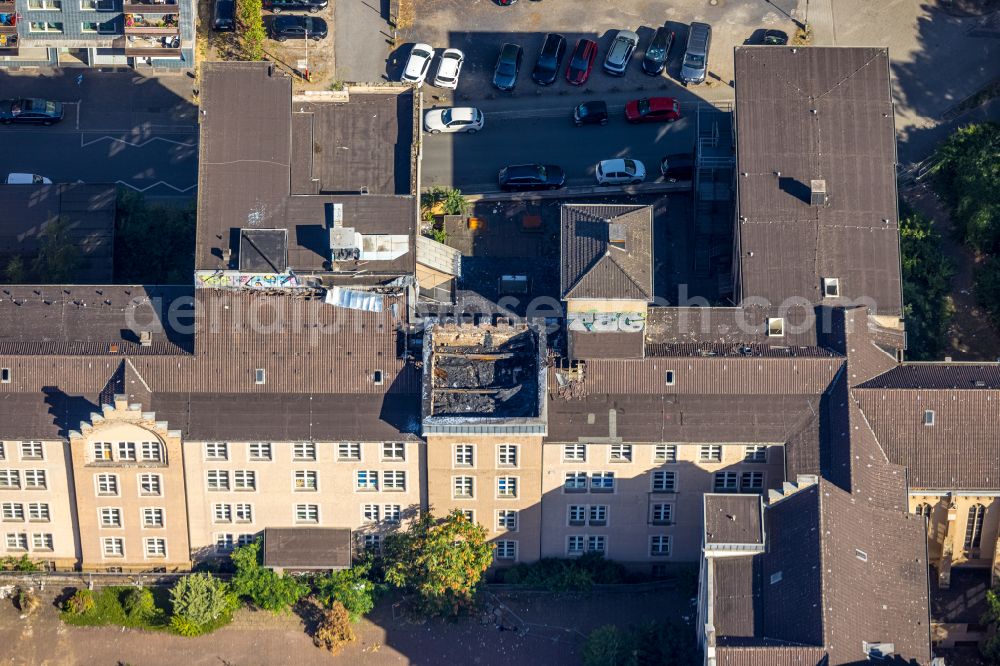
607, 252
484, 376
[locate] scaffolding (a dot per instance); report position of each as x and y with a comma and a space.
715, 161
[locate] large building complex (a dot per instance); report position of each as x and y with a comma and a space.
781, 442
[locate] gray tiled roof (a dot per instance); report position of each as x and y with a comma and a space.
591, 267
733, 519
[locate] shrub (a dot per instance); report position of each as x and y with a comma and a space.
927, 276
81, 602
665, 644
266, 589
608, 646
138, 604
967, 176
11, 563
27, 601
250, 28
349, 587
201, 601
563, 575
987, 288
334, 630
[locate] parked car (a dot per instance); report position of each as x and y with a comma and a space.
311, 6
549, 60
27, 179
775, 38
581, 62
506, 3
418, 64
658, 51
678, 166
620, 172
30, 111
224, 16
298, 27
591, 113
695, 64
458, 119
617, 59
531, 177
653, 110
508, 65
449, 68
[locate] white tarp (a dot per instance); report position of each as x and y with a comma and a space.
354, 299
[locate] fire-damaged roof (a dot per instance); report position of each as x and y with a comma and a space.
606, 252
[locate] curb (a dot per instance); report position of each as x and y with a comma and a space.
590, 191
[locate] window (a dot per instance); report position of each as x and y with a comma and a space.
4, 375
216, 451
222, 513
152, 517
245, 540
392, 513
17, 542
662, 514
126, 451
974, 526
10, 478
394, 480
110, 517
507, 520
155, 547
113, 546
575, 453
45, 4
664, 482
668, 378
303, 451
831, 287
394, 451
373, 543
775, 327
107, 485
349, 451
507, 486
307, 513
710, 453
151, 452
507, 455
244, 479
602, 482
12, 512
464, 456
775, 578
41, 541
150, 485
752, 482
462, 487
577, 514
46, 27
34, 479
32, 451
367, 480
756, 453
3, 452
726, 482
377, 378
38, 512
218, 479
223, 543
576, 482
102, 452
259, 376
598, 515
621, 453
469, 515
260, 451
506, 550
306, 480
597, 543
928, 417
243, 513
659, 545
369, 513
665, 453
923, 509
860, 554
574, 545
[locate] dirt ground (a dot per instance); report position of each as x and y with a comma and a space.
550, 630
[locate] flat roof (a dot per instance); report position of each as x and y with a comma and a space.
307, 547
733, 520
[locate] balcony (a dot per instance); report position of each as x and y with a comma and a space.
168, 46
155, 24
137, 7
8, 8
8, 19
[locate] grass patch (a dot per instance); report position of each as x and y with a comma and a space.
109, 609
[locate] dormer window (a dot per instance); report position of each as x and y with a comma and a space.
831, 287
260, 376
861, 555
670, 378
928, 417
775, 327
4, 375
377, 377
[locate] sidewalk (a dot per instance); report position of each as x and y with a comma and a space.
591, 191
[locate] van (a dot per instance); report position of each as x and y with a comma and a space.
695, 63
224, 19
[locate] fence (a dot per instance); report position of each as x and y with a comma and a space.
43, 579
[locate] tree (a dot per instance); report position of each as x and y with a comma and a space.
334, 630
967, 176
16, 271
349, 587
58, 258
608, 646
80, 603
154, 243
138, 604
441, 559
927, 274
263, 587
250, 27
991, 646
987, 288
199, 601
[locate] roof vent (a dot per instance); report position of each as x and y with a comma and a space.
616, 235
878, 651
146, 338
113, 348
817, 192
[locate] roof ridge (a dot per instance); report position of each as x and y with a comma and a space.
625, 272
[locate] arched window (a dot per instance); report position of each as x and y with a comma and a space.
923, 509
974, 526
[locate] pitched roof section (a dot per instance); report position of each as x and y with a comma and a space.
606, 252
938, 376
817, 114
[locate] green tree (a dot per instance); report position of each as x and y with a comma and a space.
609, 646
200, 601
58, 258
441, 559
266, 589
138, 604
991, 646
250, 28
154, 243
967, 176
15, 270
350, 587
455, 203
927, 274
987, 288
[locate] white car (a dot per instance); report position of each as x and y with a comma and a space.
458, 119
27, 179
417, 64
620, 172
449, 69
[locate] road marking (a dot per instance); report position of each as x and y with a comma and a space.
84, 143
159, 182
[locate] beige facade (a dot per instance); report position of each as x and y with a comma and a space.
963, 529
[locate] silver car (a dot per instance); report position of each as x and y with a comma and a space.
616, 62
695, 64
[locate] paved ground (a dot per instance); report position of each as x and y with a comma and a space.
119, 127
362, 42
300, 54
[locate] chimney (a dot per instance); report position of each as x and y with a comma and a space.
146, 338
817, 192
616, 236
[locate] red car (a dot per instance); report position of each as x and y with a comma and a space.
653, 110
581, 62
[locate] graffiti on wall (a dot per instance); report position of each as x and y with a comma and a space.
606, 322
239, 280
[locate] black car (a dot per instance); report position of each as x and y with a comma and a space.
224, 18
508, 65
658, 52
591, 113
549, 60
775, 38
531, 177
679, 166
311, 6
36, 111
298, 27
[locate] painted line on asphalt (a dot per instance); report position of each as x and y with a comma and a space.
156, 184
84, 143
